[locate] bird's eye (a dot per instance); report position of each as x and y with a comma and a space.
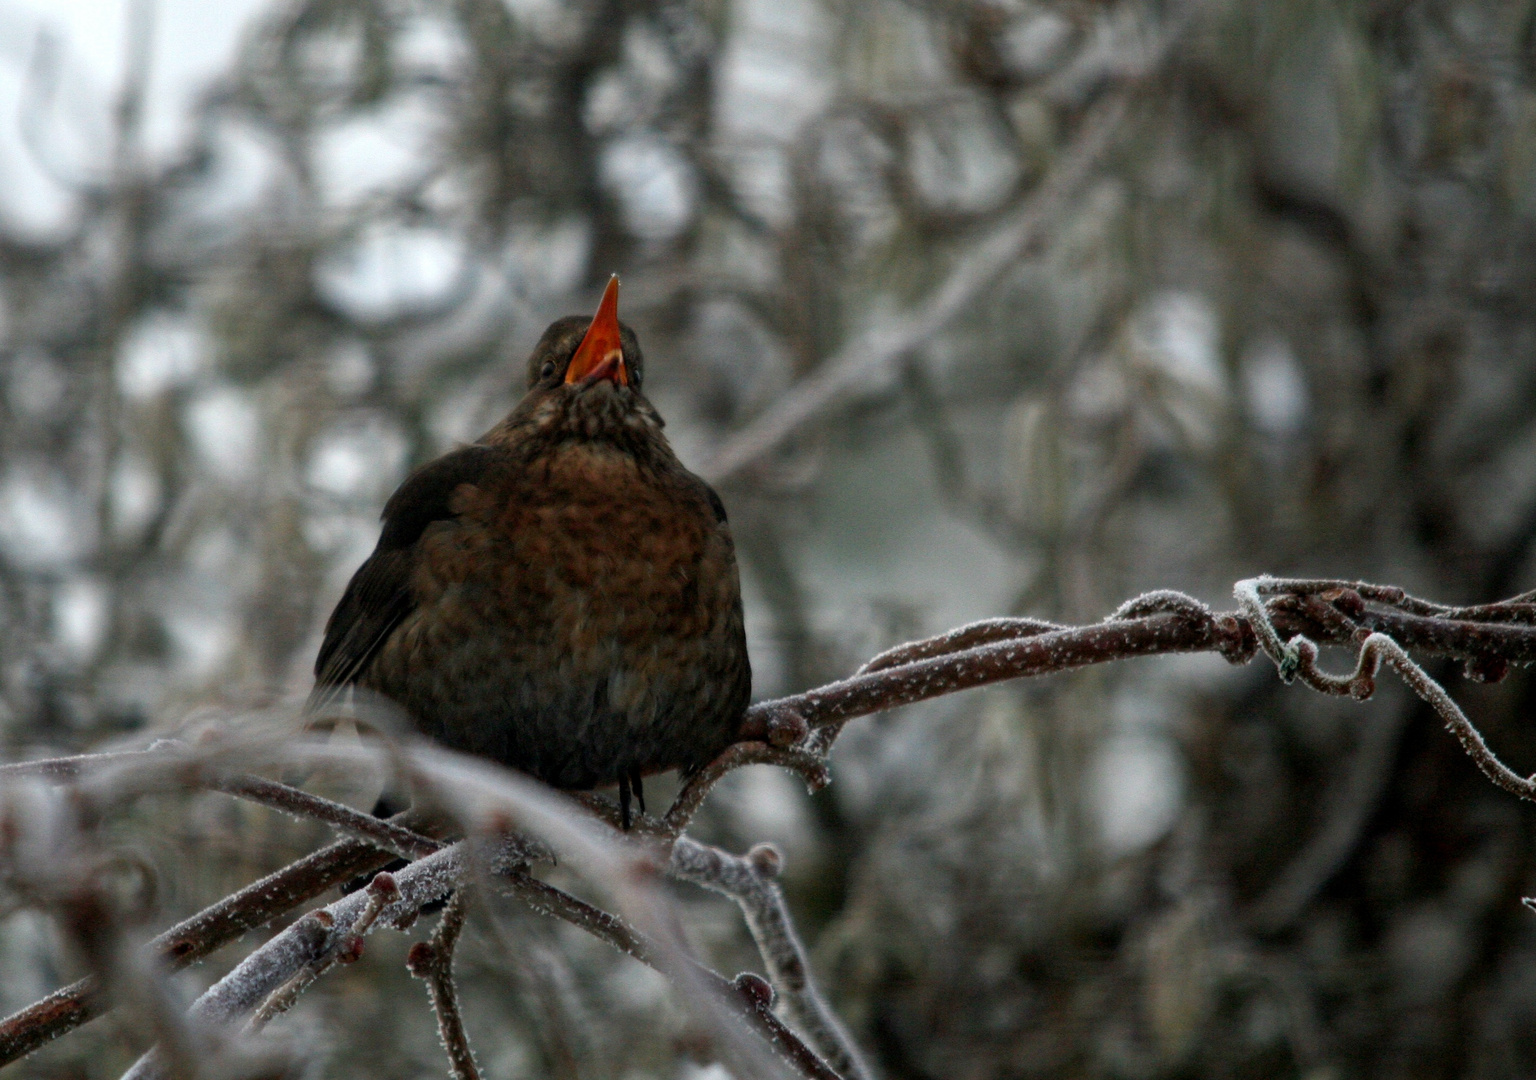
547, 370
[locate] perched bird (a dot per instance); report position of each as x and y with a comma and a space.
561, 595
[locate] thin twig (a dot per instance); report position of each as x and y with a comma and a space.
257, 789
1182, 626
486, 794
557, 903
812, 768
315, 927
961, 638
548, 900
380, 831
348, 948
67, 768
752, 883
1332, 611
1055, 651
310, 941
432, 961
1297, 659
194, 938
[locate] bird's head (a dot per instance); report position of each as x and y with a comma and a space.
585, 374
580, 352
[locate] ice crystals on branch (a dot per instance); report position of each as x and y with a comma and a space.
1284, 618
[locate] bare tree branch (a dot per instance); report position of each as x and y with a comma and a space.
1039, 653
485, 793
1284, 618
1186, 627
810, 765
887, 343
310, 941
432, 962
752, 883
548, 900
257, 789
1297, 659
381, 891
196, 937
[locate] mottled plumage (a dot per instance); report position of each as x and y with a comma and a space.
562, 595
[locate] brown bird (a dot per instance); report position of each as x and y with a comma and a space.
561, 595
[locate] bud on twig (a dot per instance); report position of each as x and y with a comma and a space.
766, 860
755, 989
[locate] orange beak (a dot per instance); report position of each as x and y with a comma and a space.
600, 354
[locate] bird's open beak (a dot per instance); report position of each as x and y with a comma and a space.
600, 354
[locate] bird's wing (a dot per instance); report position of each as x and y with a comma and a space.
379, 596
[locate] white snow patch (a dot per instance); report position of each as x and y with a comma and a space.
1274, 388
376, 151
393, 270
162, 350
356, 460
80, 609
225, 428
43, 521
135, 495
1137, 784
655, 186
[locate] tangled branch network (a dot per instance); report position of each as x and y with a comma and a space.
476, 829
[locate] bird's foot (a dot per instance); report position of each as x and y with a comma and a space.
630, 783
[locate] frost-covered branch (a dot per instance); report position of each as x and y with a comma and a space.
1159, 623
810, 764
196, 937
752, 882
311, 943
1287, 620
489, 802
1296, 658
548, 900
432, 962
380, 893
283, 797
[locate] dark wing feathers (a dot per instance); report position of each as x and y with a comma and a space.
715, 504
423, 498
376, 601
378, 598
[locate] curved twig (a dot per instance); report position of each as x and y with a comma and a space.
432, 962
1297, 659
1284, 618
752, 883
811, 767
984, 632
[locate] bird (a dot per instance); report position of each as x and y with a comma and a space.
560, 596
